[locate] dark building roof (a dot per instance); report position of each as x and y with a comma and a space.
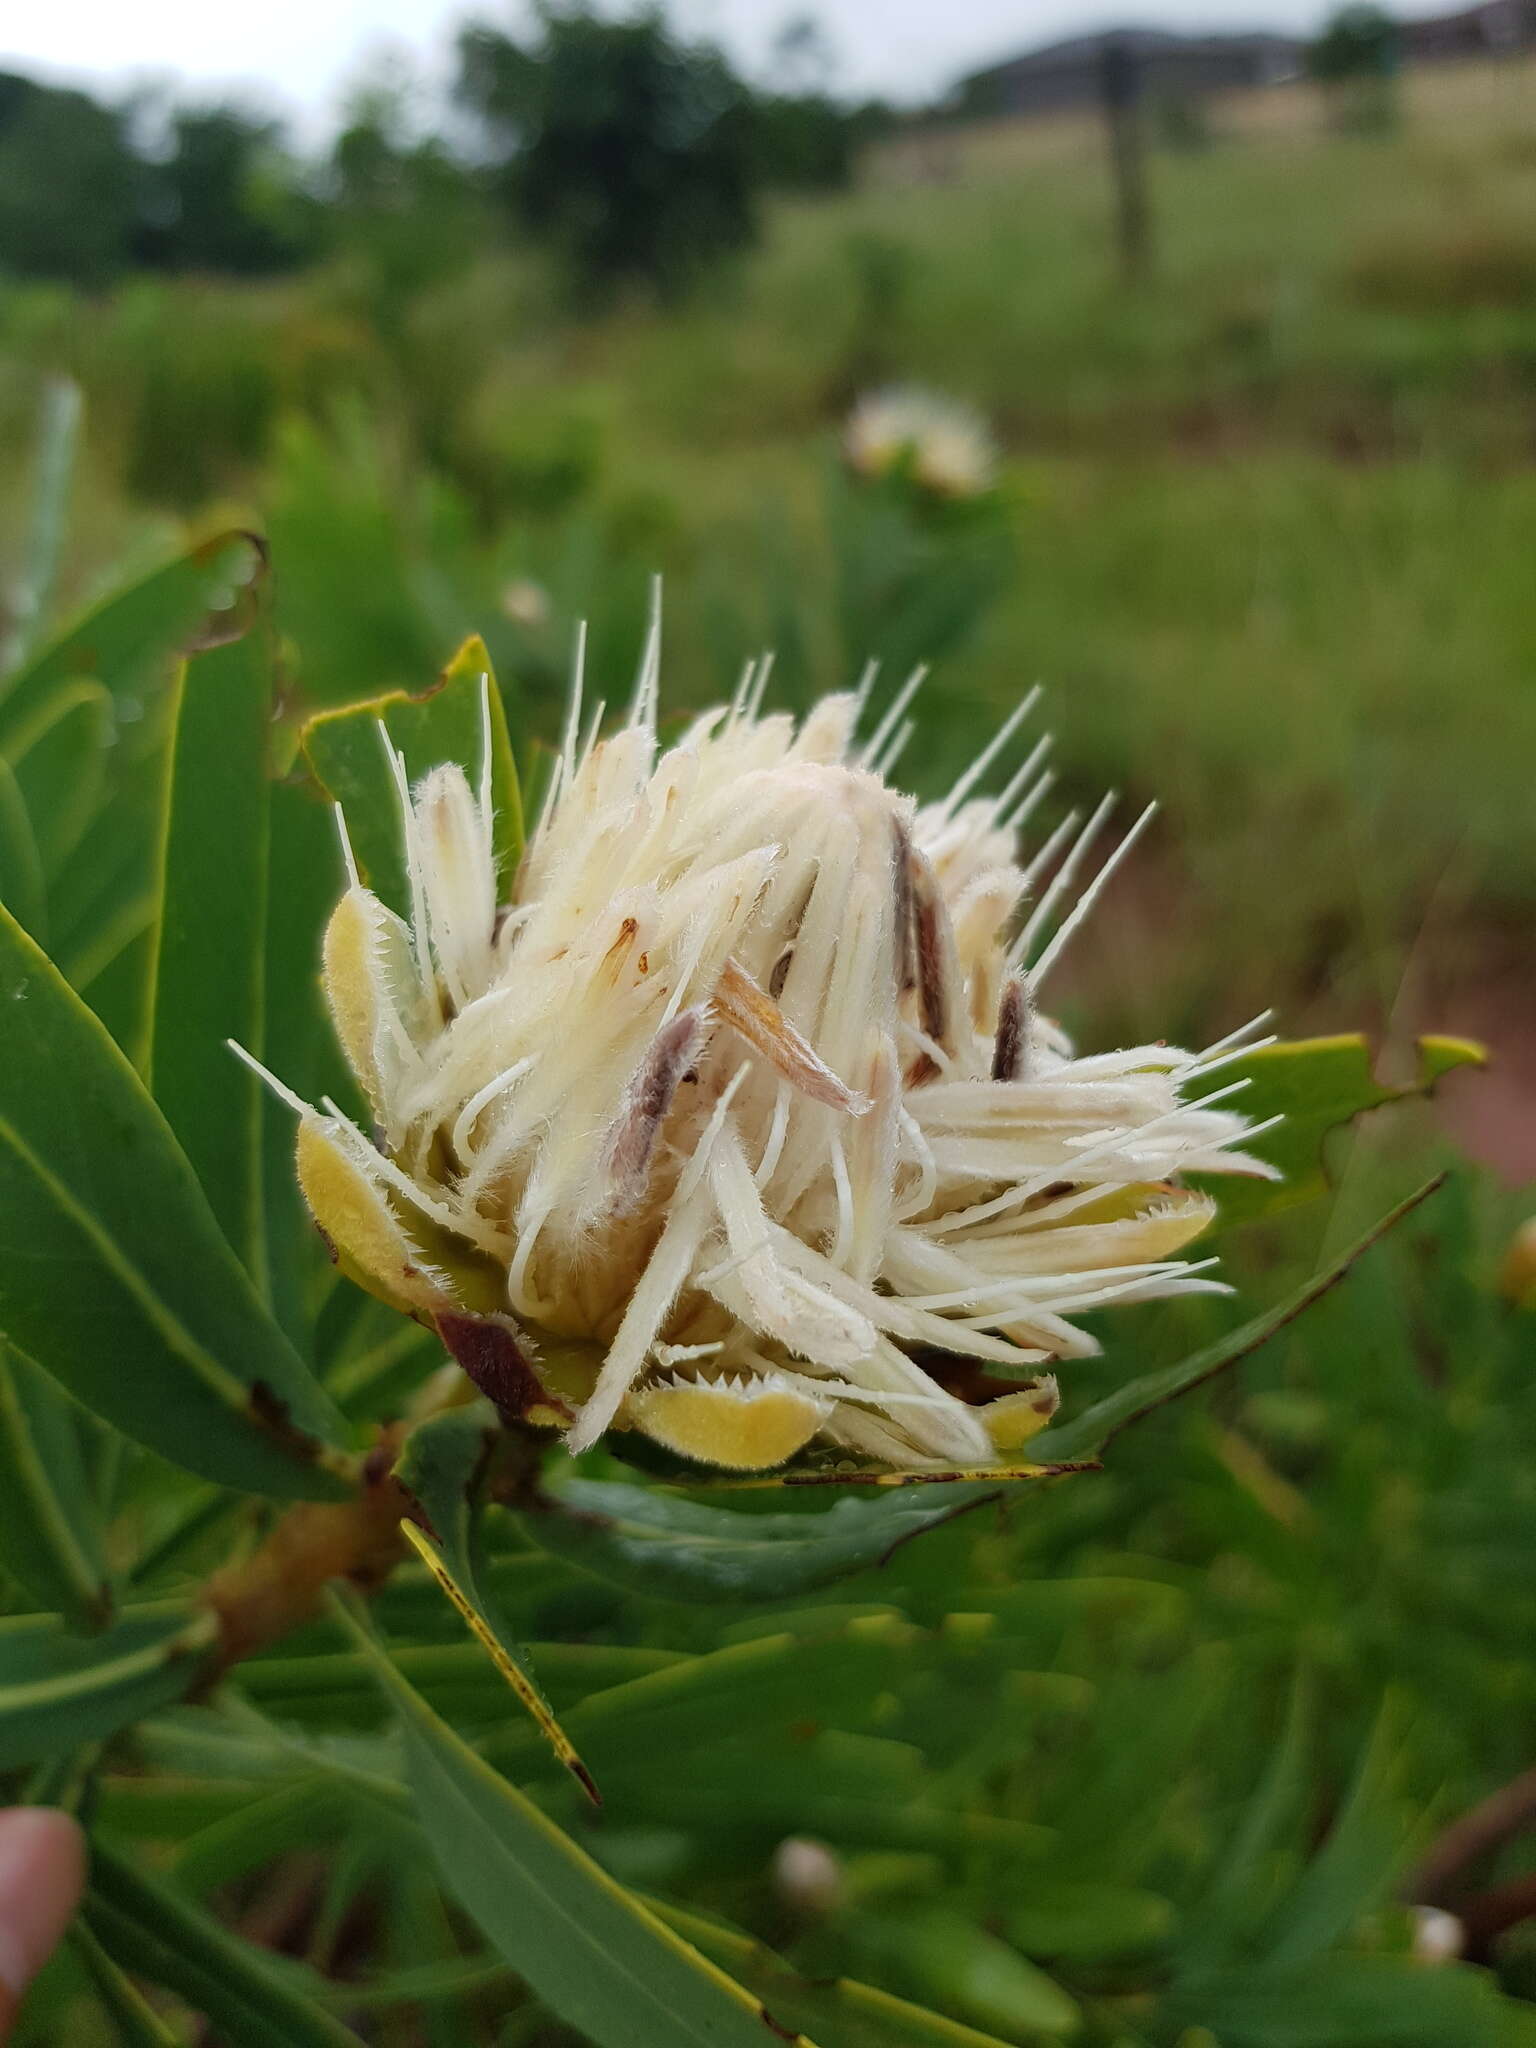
1068, 73
1475, 31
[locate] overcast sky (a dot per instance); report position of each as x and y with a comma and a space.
296, 54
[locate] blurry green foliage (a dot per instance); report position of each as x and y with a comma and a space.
69, 184
627, 150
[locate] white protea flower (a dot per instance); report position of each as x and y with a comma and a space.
944, 444
740, 1124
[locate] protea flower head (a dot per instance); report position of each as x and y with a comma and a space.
942, 443
741, 1124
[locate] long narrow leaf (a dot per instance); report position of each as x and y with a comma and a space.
583, 1944
60, 759
152, 1930
114, 1276
212, 928
439, 1467
1088, 1433
50, 1526
59, 1690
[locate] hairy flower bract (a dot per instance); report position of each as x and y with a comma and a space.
741, 1123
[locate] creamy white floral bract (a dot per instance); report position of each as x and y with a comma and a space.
945, 443
746, 1097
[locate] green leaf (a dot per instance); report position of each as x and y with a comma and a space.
304, 879
1087, 1434
1349, 1874
299, 1813
21, 865
208, 983
768, 1687
153, 1931
50, 1534
1316, 1084
130, 641
60, 759
136, 2025
439, 1467
58, 434
939, 1954
1340, 2002
58, 1690
656, 1542
840, 2012
443, 724
114, 1276
1057, 1917
586, 1947
1243, 1884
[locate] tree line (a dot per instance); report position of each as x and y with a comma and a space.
634, 154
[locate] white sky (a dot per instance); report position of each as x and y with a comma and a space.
294, 55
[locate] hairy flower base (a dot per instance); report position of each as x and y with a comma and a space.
738, 1108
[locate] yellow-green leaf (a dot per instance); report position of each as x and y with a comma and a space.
1315, 1084
439, 1467
444, 723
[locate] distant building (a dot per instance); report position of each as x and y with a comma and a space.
1068, 74
1484, 31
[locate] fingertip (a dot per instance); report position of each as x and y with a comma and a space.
42, 1874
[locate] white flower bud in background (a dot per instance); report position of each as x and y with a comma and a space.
526, 603
807, 1877
1438, 1936
944, 445
741, 1125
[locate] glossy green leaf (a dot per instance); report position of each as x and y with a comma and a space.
114, 1275
50, 1533
583, 1944
1085, 1435
208, 981
439, 1467
21, 865
659, 1543
60, 759
1315, 1084
150, 1929
443, 724
130, 641
135, 2023
840, 2012
58, 1690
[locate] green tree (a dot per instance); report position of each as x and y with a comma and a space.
69, 184
1355, 58
630, 152
226, 198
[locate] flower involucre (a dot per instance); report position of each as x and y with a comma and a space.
739, 1124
